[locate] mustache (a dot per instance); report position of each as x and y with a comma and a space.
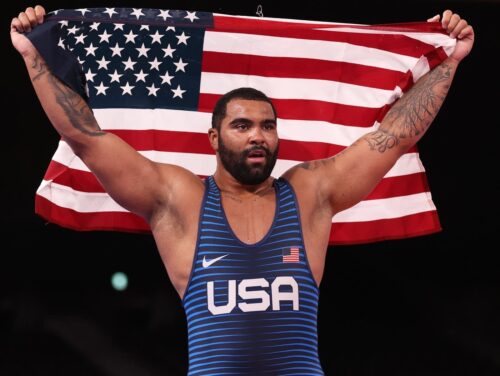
256, 148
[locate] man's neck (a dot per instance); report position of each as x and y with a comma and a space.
228, 184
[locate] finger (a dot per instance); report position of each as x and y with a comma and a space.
468, 31
30, 12
434, 19
454, 20
446, 18
16, 24
40, 13
24, 21
462, 24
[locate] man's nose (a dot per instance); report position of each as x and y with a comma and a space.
256, 136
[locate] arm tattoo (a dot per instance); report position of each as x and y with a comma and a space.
39, 67
76, 109
413, 113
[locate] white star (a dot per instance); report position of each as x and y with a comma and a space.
83, 11
118, 26
61, 43
171, 28
156, 37
144, 27
168, 51
143, 51
103, 63
137, 13
130, 37
178, 92
80, 38
90, 50
95, 25
80, 61
129, 64
141, 76
152, 90
182, 38
101, 89
155, 64
110, 12
55, 11
164, 14
127, 89
115, 76
117, 50
89, 76
191, 16
166, 78
104, 36
72, 30
63, 23
180, 65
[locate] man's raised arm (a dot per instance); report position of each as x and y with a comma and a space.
345, 179
134, 181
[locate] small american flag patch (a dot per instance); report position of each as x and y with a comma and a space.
291, 254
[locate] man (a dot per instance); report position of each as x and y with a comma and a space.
244, 251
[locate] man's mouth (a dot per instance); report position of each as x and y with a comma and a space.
257, 156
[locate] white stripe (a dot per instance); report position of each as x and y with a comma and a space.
387, 208
83, 202
153, 119
253, 18
200, 122
262, 45
298, 88
204, 164
433, 39
369, 210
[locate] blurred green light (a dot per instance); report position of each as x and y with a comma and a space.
119, 281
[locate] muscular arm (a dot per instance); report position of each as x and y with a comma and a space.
345, 179
131, 179
365, 163
134, 181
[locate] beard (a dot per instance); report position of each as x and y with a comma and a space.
241, 169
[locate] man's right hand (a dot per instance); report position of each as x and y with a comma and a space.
23, 23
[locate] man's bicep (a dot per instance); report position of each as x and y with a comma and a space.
355, 172
345, 179
132, 180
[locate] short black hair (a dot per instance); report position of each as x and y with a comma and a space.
248, 93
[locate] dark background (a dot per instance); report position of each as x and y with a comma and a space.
421, 306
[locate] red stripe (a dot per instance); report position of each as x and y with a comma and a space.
311, 110
356, 74
395, 43
400, 186
397, 228
227, 21
436, 57
116, 221
86, 182
342, 233
173, 141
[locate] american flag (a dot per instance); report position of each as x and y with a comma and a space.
291, 254
152, 77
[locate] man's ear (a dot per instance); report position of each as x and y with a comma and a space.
213, 137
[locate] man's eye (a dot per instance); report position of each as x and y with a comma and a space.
241, 126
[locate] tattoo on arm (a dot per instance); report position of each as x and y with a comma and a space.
413, 113
77, 110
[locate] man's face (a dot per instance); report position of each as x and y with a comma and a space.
248, 141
